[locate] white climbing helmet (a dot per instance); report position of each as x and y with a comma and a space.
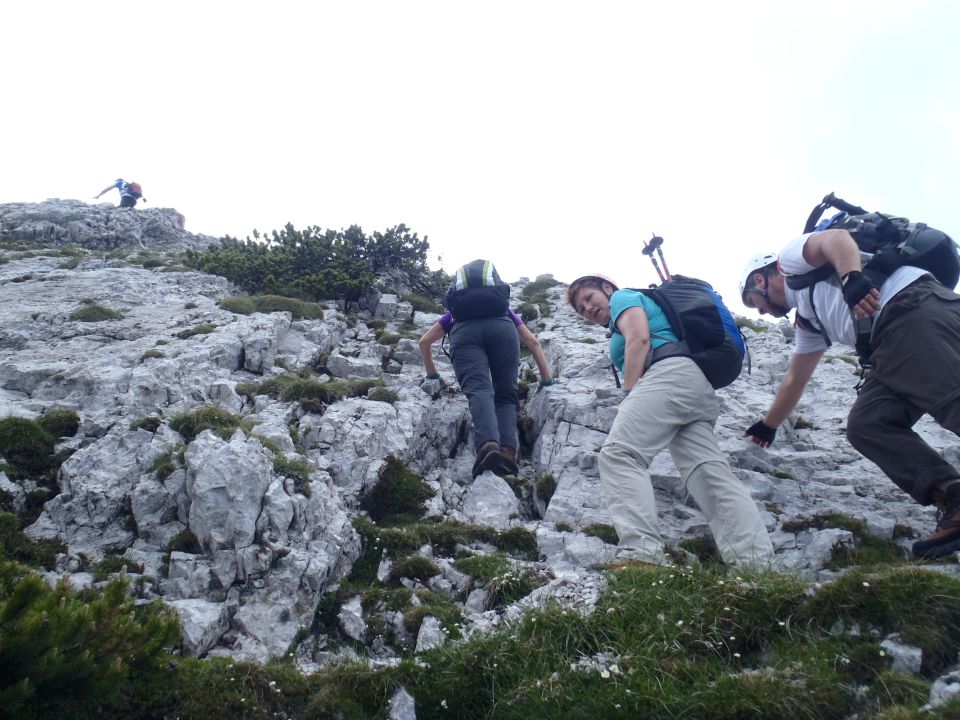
757, 262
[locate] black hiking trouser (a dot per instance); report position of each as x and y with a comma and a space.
486, 356
916, 371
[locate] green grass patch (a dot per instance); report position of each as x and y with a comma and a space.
150, 354
423, 303
607, 533
26, 445
398, 495
208, 417
60, 422
298, 470
150, 423
249, 304
201, 329
415, 567
94, 313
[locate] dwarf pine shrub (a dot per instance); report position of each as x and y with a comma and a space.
14, 545
71, 654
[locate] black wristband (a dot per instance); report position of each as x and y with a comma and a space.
763, 431
856, 287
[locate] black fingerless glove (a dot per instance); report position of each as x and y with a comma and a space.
763, 431
856, 287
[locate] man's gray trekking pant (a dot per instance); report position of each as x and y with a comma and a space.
916, 370
486, 355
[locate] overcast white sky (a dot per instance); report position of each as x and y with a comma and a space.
552, 137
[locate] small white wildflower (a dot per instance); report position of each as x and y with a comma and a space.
736, 655
443, 704
882, 654
679, 623
726, 608
781, 623
733, 637
604, 673
719, 582
610, 610
866, 584
272, 683
617, 706
243, 699
615, 669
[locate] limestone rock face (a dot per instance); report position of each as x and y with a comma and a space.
245, 532
98, 227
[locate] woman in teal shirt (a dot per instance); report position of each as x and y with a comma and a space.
670, 403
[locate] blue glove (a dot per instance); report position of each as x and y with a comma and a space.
545, 383
433, 376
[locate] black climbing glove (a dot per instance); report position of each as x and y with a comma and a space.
761, 432
856, 287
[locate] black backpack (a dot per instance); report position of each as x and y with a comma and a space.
704, 326
477, 292
893, 241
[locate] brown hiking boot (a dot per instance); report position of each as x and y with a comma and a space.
508, 463
488, 455
946, 538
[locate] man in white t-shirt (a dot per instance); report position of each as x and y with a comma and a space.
914, 356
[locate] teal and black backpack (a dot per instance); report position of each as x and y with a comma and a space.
477, 292
705, 328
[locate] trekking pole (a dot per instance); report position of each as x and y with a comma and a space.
648, 249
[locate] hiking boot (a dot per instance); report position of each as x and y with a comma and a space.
946, 538
508, 462
488, 456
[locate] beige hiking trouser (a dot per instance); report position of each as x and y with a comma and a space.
674, 406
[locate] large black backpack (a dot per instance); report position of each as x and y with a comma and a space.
477, 292
892, 241
704, 326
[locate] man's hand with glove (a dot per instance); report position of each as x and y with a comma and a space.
761, 433
860, 294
